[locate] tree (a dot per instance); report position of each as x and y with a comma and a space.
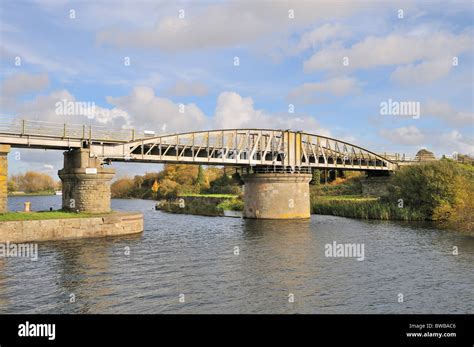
138, 181
226, 185
33, 182
155, 187
168, 189
201, 179
435, 188
121, 188
12, 186
316, 180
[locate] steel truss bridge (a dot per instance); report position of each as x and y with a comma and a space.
263, 149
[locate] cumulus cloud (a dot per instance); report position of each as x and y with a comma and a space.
225, 25
444, 111
320, 35
454, 141
23, 83
312, 93
409, 135
235, 111
425, 58
155, 112
20, 84
47, 108
422, 73
188, 88
441, 142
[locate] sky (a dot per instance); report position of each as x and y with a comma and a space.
324, 67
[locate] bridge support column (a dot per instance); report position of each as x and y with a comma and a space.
86, 184
276, 195
4, 150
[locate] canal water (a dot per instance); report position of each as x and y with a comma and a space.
195, 264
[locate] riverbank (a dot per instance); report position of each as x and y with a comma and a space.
58, 225
362, 207
42, 215
43, 193
204, 205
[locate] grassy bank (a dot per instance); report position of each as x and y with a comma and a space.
441, 191
363, 208
224, 196
41, 193
43, 215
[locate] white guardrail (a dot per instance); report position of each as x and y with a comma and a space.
65, 131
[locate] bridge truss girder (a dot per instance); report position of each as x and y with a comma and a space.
247, 147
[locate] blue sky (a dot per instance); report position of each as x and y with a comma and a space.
289, 52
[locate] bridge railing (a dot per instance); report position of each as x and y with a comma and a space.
65, 130
399, 157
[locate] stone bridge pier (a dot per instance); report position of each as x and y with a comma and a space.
86, 183
277, 195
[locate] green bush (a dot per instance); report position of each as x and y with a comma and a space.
231, 204
436, 189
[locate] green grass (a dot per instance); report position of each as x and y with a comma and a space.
364, 208
43, 215
42, 193
227, 196
346, 198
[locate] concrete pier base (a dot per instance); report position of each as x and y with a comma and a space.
4, 150
276, 195
85, 183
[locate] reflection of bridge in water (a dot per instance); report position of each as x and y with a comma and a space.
276, 163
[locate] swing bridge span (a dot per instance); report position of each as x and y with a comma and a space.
261, 149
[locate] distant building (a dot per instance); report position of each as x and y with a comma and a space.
424, 155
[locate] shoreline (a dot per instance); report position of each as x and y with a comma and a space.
75, 226
347, 206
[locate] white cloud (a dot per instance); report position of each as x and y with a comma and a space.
311, 93
422, 73
443, 143
434, 51
321, 34
10, 49
235, 111
153, 112
225, 25
454, 141
23, 83
44, 108
409, 135
188, 88
445, 112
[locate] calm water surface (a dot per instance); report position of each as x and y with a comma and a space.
194, 256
